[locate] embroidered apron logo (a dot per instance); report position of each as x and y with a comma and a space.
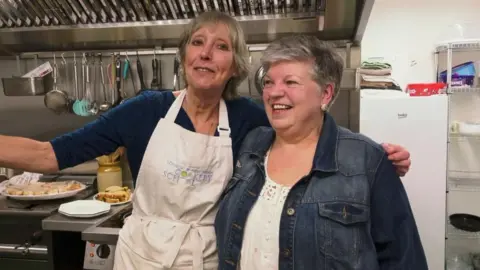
179, 174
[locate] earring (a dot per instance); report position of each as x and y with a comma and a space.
324, 107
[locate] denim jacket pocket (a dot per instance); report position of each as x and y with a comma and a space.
341, 231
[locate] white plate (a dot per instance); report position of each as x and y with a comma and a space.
46, 196
84, 216
84, 208
118, 203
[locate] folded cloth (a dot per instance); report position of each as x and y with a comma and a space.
378, 82
375, 72
375, 65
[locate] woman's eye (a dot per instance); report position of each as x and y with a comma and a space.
290, 82
196, 42
223, 47
267, 82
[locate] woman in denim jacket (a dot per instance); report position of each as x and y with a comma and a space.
307, 194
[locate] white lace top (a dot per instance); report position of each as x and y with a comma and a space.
260, 247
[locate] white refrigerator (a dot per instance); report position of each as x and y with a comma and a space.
420, 124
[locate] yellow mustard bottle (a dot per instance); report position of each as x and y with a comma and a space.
109, 174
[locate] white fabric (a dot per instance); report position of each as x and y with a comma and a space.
260, 249
181, 177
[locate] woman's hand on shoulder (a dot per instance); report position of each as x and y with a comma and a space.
399, 156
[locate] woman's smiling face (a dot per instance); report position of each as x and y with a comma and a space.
209, 61
292, 97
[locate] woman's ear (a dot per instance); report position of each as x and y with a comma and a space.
327, 93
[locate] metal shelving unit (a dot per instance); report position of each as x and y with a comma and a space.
461, 182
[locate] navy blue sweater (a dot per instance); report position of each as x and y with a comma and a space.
132, 123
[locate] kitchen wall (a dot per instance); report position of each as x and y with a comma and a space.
404, 33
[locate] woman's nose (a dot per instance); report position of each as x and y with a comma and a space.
275, 91
206, 53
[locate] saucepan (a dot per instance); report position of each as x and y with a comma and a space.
258, 79
466, 222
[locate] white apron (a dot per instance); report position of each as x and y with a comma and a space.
181, 178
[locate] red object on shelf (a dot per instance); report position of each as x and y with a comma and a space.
426, 89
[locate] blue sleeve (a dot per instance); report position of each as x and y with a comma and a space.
102, 136
394, 231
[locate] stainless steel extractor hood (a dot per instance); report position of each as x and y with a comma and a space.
56, 25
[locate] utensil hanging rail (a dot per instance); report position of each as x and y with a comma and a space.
161, 51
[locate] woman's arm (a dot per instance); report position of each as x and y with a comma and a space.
97, 138
27, 154
394, 231
399, 156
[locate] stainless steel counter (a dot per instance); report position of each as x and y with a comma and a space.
59, 222
100, 235
107, 232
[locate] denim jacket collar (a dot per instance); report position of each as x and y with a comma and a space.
325, 159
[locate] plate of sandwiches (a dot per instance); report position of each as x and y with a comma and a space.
43, 190
115, 195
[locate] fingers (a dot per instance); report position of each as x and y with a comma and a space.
402, 172
403, 163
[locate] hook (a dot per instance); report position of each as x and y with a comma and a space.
126, 56
137, 55
63, 59
154, 54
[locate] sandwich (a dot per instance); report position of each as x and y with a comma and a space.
114, 194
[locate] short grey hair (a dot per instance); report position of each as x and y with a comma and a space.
327, 63
239, 47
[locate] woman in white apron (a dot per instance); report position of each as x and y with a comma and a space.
181, 178
180, 172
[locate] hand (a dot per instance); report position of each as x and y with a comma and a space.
399, 156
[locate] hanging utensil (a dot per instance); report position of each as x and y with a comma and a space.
258, 79
154, 84
56, 100
93, 109
77, 102
105, 105
143, 87
127, 71
66, 84
176, 66
132, 78
118, 80
83, 105
111, 79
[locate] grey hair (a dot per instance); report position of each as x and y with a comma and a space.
327, 63
239, 47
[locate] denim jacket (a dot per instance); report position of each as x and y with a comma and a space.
350, 212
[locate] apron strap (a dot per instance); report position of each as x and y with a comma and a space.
223, 123
175, 108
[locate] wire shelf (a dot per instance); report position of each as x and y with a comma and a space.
465, 90
465, 45
453, 232
463, 176
464, 187
463, 137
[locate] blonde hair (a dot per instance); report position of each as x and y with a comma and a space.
239, 46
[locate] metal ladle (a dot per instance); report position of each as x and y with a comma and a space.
105, 105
